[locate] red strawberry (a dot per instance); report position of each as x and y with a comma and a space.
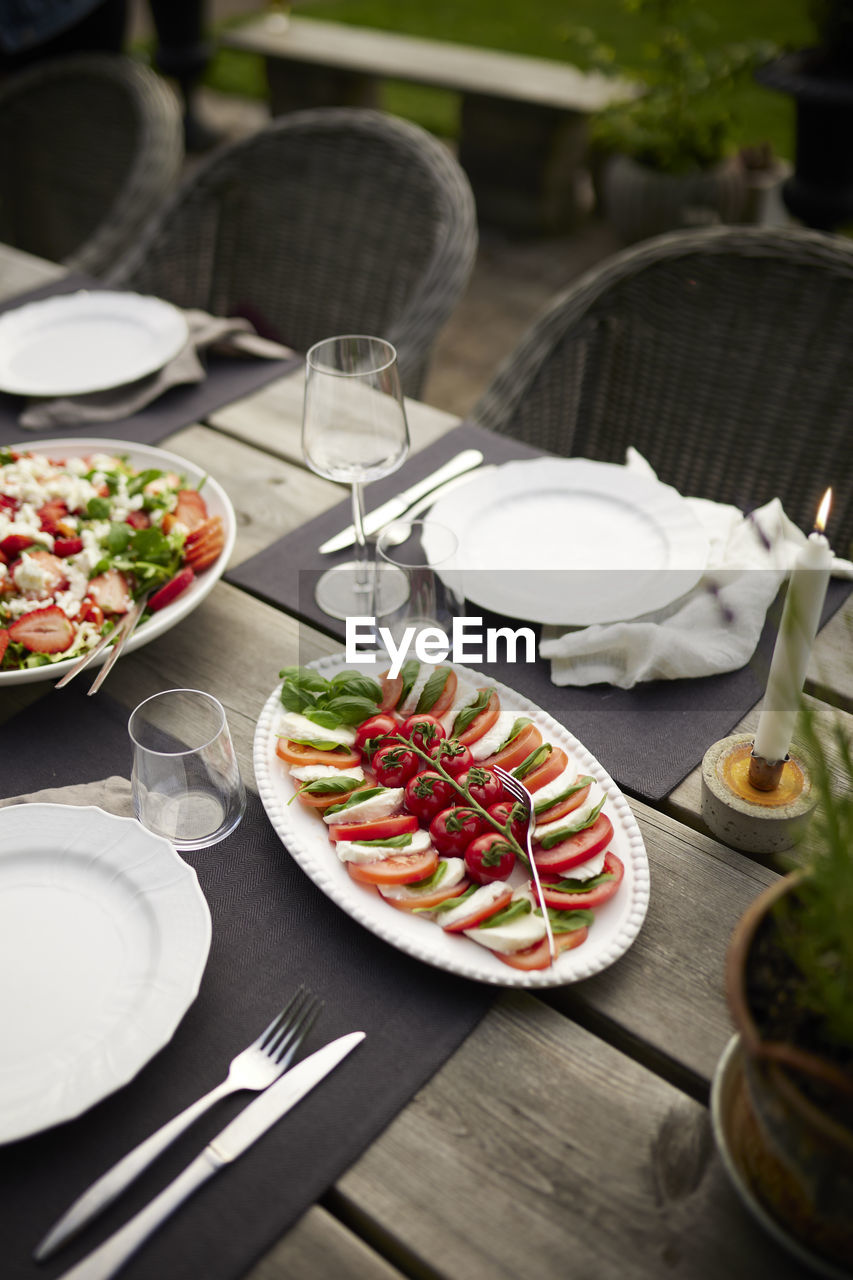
4, 642
14, 543
51, 514
110, 591
138, 519
191, 508
67, 546
171, 590
43, 630
204, 545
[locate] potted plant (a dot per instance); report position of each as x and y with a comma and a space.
670, 151
789, 982
820, 80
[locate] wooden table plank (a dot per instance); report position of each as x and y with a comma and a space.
538, 1150
320, 1246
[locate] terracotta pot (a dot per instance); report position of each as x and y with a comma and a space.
639, 202
802, 1164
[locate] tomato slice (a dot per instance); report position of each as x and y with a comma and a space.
482, 722
539, 956
547, 772
403, 868
326, 802
562, 807
298, 753
418, 900
480, 914
590, 898
576, 848
391, 690
380, 829
519, 749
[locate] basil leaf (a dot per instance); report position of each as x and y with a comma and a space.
578, 785
319, 715
469, 714
358, 686
432, 690
319, 744
349, 708
533, 761
356, 798
293, 698
521, 907
581, 886
450, 903
572, 828
410, 672
521, 723
432, 881
567, 921
330, 786
304, 678
392, 842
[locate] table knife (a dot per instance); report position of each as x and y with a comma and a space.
397, 506
235, 1138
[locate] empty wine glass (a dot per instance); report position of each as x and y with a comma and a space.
354, 430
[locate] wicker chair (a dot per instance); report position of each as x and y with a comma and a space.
723, 355
326, 221
90, 145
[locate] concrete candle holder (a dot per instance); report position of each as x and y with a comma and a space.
749, 819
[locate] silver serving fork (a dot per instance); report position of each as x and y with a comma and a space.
255, 1068
519, 792
118, 638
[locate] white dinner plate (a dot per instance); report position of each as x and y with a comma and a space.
573, 542
141, 456
77, 343
304, 834
104, 936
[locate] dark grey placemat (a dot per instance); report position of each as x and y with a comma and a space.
648, 738
228, 379
272, 931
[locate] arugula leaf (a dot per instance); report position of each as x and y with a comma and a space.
138, 483
578, 785
469, 714
356, 799
432, 690
391, 842
118, 538
151, 545
520, 907
533, 761
409, 672
572, 828
98, 509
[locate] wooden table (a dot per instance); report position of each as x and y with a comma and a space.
569, 1135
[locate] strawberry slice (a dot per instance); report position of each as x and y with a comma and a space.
14, 543
190, 509
43, 631
67, 546
4, 642
110, 591
138, 519
204, 545
51, 515
171, 590
52, 569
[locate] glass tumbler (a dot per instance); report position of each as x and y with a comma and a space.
185, 779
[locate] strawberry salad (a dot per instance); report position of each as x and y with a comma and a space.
80, 539
401, 772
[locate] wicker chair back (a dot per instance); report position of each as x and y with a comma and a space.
90, 145
326, 221
723, 355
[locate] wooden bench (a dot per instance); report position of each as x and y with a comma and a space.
523, 121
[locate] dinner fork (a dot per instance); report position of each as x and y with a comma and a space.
519, 792
255, 1068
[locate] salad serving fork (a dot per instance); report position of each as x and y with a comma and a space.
519, 792
118, 637
255, 1068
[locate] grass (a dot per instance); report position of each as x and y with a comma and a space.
544, 30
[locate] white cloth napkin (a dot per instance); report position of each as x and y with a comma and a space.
714, 628
232, 335
112, 794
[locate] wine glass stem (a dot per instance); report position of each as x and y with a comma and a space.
361, 573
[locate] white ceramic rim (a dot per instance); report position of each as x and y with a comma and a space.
162, 324
165, 887
141, 456
304, 837
514, 591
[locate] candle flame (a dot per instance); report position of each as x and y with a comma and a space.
823, 511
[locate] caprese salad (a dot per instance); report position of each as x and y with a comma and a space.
80, 539
401, 773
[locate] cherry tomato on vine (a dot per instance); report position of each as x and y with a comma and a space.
394, 765
506, 808
423, 731
369, 734
453, 829
453, 756
427, 794
489, 857
483, 786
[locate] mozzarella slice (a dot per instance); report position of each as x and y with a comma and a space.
494, 737
294, 725
352, 851
516, 935
411, 700
388, 802
465, 693
586, 870
314, 772
574, 819
484, 897
454, 873
556, 786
